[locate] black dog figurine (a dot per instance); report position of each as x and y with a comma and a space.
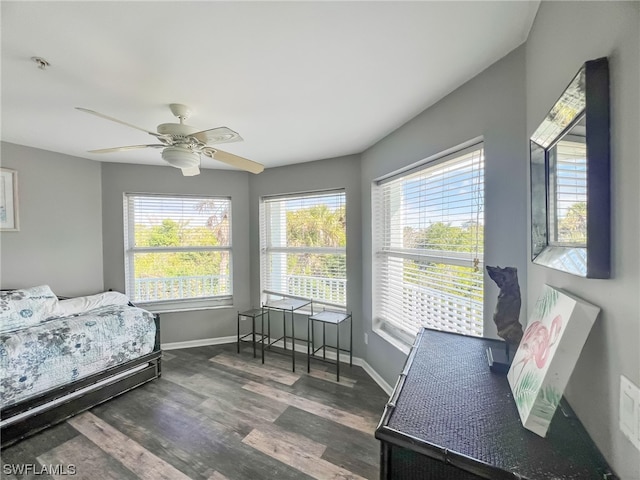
507, 310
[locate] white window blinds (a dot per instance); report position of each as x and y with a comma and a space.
178, 251
568, 193
303, 247
429, 233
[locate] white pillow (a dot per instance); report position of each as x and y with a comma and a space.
73, 306
25, 307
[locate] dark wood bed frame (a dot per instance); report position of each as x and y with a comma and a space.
58, 404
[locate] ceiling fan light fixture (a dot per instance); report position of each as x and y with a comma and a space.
182, 145
180, 157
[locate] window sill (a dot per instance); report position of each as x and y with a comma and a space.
391, 335
178, 310
186, 305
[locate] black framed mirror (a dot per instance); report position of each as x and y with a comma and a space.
570, 179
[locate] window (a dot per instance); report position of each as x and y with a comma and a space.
303, 247
428, 234
568, 192
178, 251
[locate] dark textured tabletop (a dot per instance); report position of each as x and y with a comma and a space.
451, 400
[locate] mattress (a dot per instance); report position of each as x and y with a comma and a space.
62, 350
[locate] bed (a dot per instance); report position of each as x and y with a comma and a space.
59, 357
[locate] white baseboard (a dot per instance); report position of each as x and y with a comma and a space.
331, 354
375, 376
344, 358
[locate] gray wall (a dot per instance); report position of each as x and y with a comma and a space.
120, 178
71, 207
490, 105
342, 172
564, 35
60, 237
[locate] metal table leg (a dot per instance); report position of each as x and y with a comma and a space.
324, 341
308, 345
351, 339
337, 352
253, 334
293, 342
262, 335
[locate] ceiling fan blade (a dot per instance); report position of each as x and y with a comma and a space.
102, 115
234, 160
217, 135
122, 149
191, 171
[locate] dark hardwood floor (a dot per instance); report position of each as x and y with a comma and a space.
215, 414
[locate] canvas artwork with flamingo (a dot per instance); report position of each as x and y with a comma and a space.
557, 330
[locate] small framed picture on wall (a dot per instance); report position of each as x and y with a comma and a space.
8, 200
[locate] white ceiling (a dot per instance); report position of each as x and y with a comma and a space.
299, 81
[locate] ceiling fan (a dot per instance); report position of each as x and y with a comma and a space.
182, 145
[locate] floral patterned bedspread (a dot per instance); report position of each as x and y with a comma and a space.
58, 351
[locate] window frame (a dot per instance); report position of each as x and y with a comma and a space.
265, 247
174, 305
397, 332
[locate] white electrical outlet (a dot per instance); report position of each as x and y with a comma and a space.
366, 339
630, 411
